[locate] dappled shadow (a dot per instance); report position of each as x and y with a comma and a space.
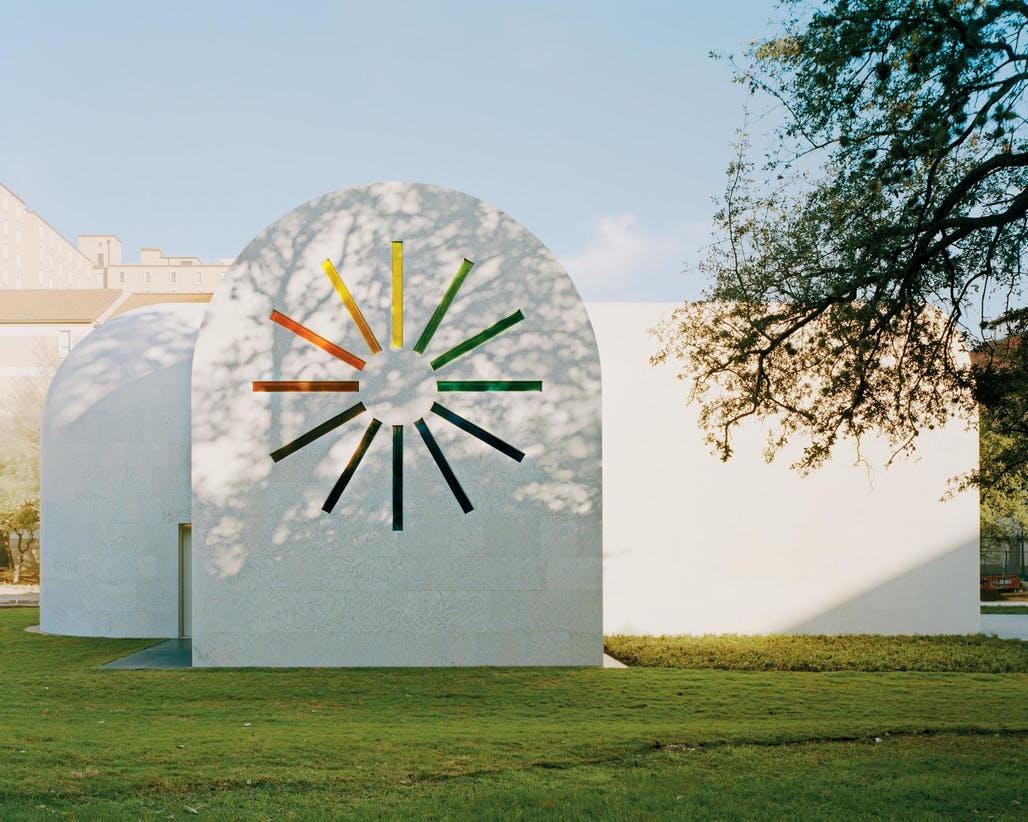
533, 521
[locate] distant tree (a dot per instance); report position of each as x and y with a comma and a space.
885, 230
1002, 473
22, 523
20, 415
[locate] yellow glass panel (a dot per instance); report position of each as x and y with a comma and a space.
397, 294
351, 306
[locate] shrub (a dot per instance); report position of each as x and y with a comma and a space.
854, 652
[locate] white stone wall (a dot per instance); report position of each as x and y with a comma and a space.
115, 477
277, 580
693, 545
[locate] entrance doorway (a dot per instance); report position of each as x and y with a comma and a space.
185, 580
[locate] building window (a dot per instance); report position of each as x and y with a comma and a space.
63, 343
146, 277
199, 277
121, 278
171, 277
100, 259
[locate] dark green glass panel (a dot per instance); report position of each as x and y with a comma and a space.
444, 466
476, 431
317, 431
489, 385
477, 340
351, 466
444, 305
397, 477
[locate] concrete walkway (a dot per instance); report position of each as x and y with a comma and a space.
174, 653
178, 653
1008, 626
26, 600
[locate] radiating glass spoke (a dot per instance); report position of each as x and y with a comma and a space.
318, 431
489, 385
351, 466
397, 477
351, 306
444, 305
397, 294
306, 385
476, 431
444, 466
397, 341
316, 339
477, 340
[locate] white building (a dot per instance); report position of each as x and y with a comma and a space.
221, 529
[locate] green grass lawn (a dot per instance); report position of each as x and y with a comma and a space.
82, 743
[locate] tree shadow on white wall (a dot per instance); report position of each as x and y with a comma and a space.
554, 490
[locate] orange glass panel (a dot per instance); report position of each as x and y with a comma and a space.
316, 339
307, 385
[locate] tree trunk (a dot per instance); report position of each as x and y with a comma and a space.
16, 561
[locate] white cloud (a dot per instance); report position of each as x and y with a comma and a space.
624, 260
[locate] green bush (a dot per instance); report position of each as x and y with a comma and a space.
854, 652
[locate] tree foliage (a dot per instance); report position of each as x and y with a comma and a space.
882, 235
20, 414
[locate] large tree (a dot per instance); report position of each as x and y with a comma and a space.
882, 235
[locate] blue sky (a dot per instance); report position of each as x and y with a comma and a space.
603, 127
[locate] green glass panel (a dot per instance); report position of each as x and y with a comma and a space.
444, 466
476, 431
477, 340
444, 305
397, 477
489, 385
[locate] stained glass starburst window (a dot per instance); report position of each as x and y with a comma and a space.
398, 383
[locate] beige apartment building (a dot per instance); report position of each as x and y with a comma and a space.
34, 255
155, 272
53, 293
40, 326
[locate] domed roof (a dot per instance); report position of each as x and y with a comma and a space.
122, 350
114, 476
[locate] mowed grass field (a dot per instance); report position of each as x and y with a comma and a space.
497, 743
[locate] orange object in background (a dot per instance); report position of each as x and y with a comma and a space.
1003, 582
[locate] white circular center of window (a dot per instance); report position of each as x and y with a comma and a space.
398, 386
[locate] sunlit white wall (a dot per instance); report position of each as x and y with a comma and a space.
115, 477
279, 581
693, 545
